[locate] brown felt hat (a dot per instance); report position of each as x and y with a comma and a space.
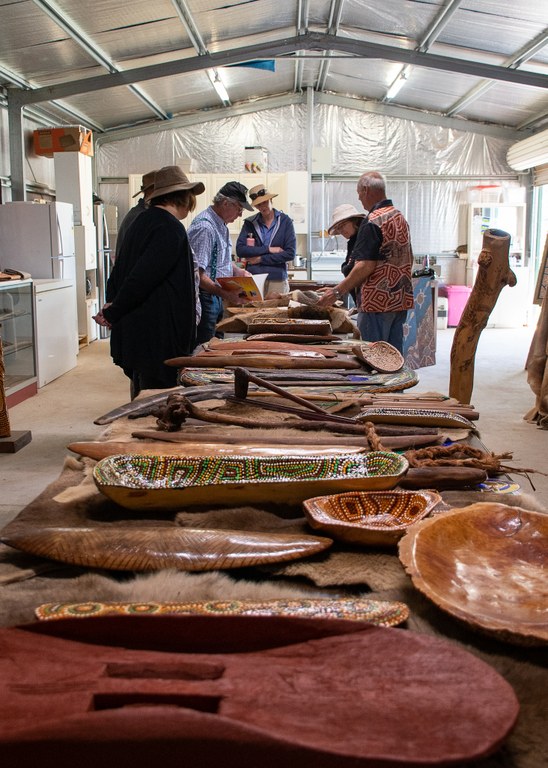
147, 182
171, 178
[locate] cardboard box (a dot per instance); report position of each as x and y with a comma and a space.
71, 138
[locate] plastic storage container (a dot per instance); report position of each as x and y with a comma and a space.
457, 296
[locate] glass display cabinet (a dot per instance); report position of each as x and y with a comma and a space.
18, 340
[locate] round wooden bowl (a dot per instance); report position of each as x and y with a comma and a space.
376, 518
379, 355
485, 564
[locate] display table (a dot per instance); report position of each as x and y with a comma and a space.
30, 581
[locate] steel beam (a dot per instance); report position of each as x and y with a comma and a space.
315, 41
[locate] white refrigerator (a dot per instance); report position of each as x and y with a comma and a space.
38, 238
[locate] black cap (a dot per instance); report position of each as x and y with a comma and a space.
236, 191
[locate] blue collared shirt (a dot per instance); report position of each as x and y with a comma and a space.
265, 231
207, 229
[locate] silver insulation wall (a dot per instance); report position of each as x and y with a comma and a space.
430, 170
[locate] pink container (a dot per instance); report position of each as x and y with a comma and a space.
457, 296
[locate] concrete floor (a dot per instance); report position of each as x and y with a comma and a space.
63, 412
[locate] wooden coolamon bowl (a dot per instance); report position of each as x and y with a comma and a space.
374, 518
485, 564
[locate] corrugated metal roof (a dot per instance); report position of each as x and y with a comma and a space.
50, 44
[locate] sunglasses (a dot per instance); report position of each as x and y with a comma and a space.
260, 193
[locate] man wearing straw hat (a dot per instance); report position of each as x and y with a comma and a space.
381, 273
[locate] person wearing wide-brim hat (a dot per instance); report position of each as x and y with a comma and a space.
267, 242
346, 221
147, 183
383, 260
212, 247
151, 295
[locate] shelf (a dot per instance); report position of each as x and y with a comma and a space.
7, 314
17, 334
10, 347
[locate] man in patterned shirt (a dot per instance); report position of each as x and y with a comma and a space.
212, 248
382, 271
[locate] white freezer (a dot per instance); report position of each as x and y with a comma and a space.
38, 238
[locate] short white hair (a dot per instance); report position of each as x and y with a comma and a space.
372, 180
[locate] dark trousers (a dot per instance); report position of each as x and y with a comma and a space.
163, 377
212, 313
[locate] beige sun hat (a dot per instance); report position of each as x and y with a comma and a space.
171, 178
259, 194
343, 213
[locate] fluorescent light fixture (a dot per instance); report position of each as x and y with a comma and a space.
397, 85
395, 88
219, 86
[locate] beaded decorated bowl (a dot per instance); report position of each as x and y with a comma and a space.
377, 518
168, 482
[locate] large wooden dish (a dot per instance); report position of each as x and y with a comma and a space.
168, 482
487, 565
374, 518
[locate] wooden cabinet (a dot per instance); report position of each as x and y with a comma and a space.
18, 340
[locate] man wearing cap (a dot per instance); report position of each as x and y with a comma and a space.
152, 309
267, 242
147, 182
212, 248
383, 259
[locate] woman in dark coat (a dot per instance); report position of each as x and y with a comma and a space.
151, 298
